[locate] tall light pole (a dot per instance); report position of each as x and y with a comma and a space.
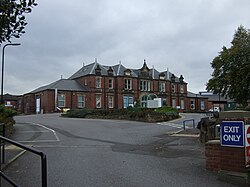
12, 44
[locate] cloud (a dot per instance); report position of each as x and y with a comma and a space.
180, 35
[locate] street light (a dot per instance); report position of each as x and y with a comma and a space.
12, 44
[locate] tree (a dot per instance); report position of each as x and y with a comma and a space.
12, 18
231, 75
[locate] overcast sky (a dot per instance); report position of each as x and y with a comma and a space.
181, 35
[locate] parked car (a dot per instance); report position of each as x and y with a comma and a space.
215, 109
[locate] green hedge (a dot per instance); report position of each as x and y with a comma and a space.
138, 114
6, 116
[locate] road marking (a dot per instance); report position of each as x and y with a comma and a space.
48, 130
170, 125
32, 131
178, 126
36, 141
54, 132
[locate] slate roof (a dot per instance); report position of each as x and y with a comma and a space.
62, 84
10, 97
216, 98
191, 94
118, 70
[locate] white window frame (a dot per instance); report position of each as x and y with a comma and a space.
145, 85
128, 101
128, 84
173, 103
111, 83
111, 101
162, 87
98, 82
181, 88
80, 103
202, 104
98, 99
182, 104
192, 104
61, 100
173, 88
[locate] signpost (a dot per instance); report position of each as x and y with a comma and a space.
247, 145
232, 133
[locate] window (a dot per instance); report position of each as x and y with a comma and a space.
110, 83
110, 100
162, 87
182, 104
202, 105
144, 85
98, 82
61, 100
98, 101
144, 100
173, 88
182, 88
173, 103
127, 84
192, 104
80, 100
128, 101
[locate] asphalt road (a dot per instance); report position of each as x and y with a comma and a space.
108, 153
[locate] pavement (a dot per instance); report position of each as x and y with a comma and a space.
12, 153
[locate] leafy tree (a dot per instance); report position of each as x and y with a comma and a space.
231, 75
12, 18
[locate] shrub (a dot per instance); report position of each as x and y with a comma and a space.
130, 113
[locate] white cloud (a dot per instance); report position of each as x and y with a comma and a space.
183, 36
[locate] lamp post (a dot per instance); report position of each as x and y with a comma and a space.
14, 44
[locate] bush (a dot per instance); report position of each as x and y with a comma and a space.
137, 114
6, 113
6, 117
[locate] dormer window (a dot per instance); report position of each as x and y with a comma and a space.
127, 72
98, 70
110, 71
162, 76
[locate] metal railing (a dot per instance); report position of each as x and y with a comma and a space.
185, 121
30, 149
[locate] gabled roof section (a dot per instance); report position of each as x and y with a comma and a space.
119, 70
85, 70
90, 70
62, 84
154, 73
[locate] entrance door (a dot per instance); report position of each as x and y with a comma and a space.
38, 105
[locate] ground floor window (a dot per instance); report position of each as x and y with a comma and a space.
128, 101
111, 101
182, 104
192, 104
98, 101
173, 103
202, 105
61, 100
81, 101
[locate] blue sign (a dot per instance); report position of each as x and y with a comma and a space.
232, 133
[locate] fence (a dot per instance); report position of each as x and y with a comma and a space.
188, 120
30, 149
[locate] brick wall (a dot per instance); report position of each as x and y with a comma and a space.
224, 158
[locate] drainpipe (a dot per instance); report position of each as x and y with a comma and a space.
56, 92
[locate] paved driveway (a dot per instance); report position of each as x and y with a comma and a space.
106, 153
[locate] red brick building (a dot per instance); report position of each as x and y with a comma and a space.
97, 86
